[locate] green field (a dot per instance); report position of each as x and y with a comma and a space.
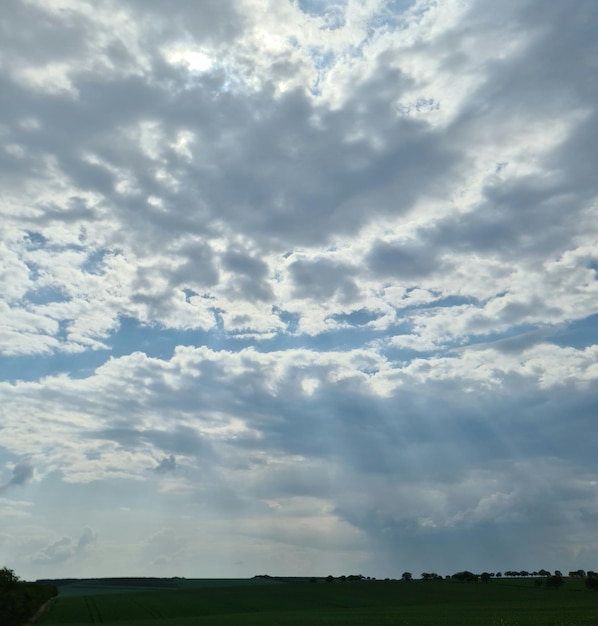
255, 602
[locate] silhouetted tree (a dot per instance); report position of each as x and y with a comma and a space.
555, 582
407, 576
485, 577
466, 577
19, 601
8, 579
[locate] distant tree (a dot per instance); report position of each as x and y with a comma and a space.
330, 579
498, 574
555, 582
578, 573
544, 572
466, 577
485, 577
557, 572
407, 576
355, 577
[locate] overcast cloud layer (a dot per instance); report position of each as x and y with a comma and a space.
298, 287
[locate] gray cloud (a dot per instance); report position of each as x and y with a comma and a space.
65, 549
406, 261
167, 464
22, 473
323, 279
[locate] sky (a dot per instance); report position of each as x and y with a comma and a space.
298, 287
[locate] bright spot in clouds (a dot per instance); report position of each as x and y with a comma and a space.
298, 287
194, 60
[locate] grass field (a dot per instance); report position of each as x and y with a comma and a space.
243, 603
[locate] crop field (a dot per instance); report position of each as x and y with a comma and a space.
243, 603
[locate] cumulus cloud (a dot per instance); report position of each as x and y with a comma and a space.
65, 549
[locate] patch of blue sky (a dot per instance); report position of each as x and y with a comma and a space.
323, 61
290, 319
35, 240
391, 16
37, 366
94, 262
34, 271
158, 342
131, 336
332, 12
45, 295
441, 302
578, 334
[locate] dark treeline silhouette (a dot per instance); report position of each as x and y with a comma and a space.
20, 601
541, 577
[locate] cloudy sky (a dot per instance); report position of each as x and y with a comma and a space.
298, 286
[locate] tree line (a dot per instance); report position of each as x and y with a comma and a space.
542, 577
19, 600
